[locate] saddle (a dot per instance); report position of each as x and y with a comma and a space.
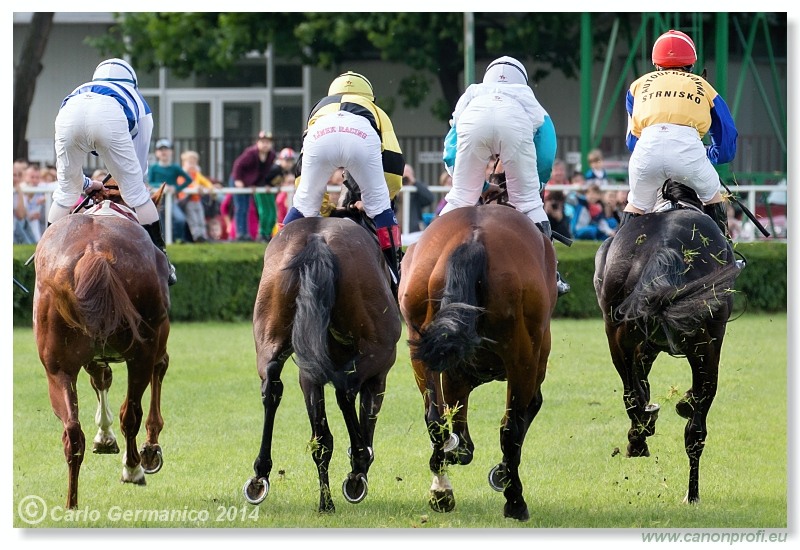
110, 208
346, 206
674, 195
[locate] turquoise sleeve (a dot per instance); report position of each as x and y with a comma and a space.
545, 142
449, 155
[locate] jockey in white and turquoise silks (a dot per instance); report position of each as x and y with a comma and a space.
501, 118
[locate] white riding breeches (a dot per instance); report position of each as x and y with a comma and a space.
342, 140
669, 151
91, 122
494, 124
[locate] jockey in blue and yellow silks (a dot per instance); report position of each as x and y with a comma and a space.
670, 110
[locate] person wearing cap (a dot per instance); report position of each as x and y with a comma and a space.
670, 110
169, 172
287, 160
107, 117
255, 167
346, 130
500, 118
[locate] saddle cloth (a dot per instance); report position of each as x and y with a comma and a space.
109, 208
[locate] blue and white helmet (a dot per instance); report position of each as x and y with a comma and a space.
116, 70
505, 70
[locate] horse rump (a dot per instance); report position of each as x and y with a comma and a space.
452, 337
314, 271
98, 305
666, 294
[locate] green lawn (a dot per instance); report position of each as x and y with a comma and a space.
571, 474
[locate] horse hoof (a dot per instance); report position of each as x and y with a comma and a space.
152, 459
442, 501
692, 500
497, 478
355, 489
517, 512
133, 475
256, 490
105, 447
636, 452
684, 409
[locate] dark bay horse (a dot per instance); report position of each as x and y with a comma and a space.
477, 294
325, 296
664, 283
101, 297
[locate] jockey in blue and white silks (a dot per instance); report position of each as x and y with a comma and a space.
500, 116
107, 117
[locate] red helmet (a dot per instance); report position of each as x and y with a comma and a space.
674, 49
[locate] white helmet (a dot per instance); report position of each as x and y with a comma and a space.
506, 70
116, 70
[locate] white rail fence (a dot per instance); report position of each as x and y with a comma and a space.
404, 218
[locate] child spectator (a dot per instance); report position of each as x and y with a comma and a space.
192, 203
590, 222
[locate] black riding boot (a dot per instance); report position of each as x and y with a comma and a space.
392, 256
625, 217
718, 213
154, 230
390, 243
562, 285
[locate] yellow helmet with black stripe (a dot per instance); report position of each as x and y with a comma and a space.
352, 83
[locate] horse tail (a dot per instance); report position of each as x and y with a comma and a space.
99, 305
452, 338
663, 294
315, 271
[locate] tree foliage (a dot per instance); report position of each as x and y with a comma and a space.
26, 72
430, 43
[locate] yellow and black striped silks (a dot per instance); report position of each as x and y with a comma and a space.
392, 156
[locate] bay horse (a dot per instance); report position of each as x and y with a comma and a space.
477, 294
664, 283
325, 296
101, 297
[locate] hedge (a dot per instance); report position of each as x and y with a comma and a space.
219, 281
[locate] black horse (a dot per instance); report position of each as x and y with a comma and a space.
325, 296
665, 284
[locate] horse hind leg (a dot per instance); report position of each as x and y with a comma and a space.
705, 371
105, 442
131, 414
152, 457
361, 454
256, 488
459, 449
64, 400
321, 444
441, 498
633, 369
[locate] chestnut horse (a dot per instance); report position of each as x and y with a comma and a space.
101, 297
477, 294
325, 295
664, 283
